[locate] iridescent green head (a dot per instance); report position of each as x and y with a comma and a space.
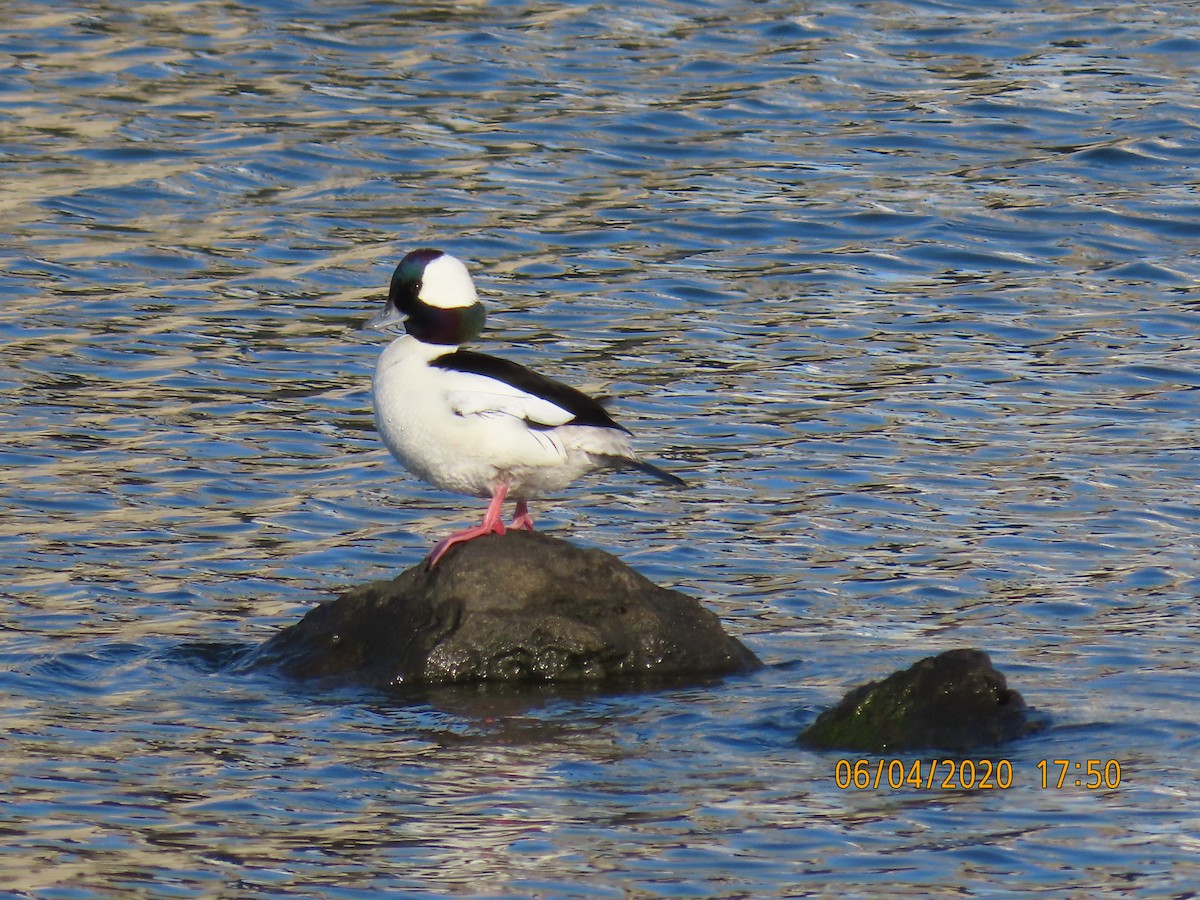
432, 293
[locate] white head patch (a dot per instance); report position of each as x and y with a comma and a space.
447, 284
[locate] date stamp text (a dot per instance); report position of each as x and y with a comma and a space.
973, 774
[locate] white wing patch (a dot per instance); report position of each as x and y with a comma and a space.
477, 395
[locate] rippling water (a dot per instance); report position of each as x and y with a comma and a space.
909, 290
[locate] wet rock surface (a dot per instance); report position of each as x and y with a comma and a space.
521, 607
956, 701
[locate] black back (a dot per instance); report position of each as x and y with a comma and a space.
586, 410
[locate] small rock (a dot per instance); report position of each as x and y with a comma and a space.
955, 701
522, 607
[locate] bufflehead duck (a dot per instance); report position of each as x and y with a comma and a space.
476, 424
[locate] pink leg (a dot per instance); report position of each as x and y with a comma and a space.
522, 519
492, 523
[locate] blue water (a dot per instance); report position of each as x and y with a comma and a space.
909, 291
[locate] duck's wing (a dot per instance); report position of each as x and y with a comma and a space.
489, 385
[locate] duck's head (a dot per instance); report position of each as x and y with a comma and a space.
433, 295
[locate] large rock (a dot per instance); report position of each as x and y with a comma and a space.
522, 607
955, 701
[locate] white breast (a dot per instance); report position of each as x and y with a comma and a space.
464, 432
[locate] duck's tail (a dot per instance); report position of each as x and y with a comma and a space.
624, 462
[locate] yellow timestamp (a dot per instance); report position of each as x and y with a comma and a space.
971, 774
1093, 774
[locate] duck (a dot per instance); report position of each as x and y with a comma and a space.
476, 424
